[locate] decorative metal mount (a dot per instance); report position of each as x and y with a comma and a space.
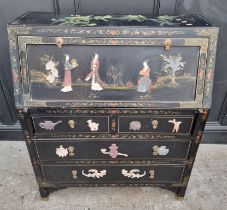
59, 42
151, 174
71, 123
154, 124
168, 44
74, 174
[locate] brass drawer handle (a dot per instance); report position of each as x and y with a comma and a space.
93, 173
72, 123
151, 174
134, 173
162, 150
113, 153
74, 174
63, 152
71, 151
154, 124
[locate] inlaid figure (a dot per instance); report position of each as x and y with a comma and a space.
51, 66
144, 83
49, 125
67, 75
135, 125
92, 125
176, 125
94, 74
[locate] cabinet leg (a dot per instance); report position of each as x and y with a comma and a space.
181, 193
44, 193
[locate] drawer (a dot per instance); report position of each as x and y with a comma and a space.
70, 123
161, 173
109, 150
155, 124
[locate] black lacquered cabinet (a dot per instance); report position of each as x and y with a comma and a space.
112, 100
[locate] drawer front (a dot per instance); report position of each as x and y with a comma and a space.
106, 173
155, 124
73, 124
110, 150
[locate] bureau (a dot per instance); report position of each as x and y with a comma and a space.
112, 100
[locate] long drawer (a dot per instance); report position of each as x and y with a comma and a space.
62, 150
157, 173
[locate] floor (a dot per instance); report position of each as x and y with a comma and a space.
207, 189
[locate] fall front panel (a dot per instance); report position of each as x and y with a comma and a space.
107, 72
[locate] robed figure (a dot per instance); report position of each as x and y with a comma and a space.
67, 75
94, 74
144, 83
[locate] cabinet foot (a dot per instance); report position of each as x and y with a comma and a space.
179, 198
44, 193
181, 193
45, 198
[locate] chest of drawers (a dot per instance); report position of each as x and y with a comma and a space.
112, 100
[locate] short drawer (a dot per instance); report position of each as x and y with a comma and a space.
70, 124
161, 173
155, 124
109, 150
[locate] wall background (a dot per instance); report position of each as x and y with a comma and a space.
216, 11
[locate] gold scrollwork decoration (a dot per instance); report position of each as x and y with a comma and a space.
212, 34
24, 40
14, 31
36, 103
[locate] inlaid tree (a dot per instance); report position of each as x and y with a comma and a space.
172, 64
115, 76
